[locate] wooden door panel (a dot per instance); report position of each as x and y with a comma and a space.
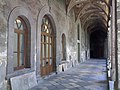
50, 68
47, 46
43, 71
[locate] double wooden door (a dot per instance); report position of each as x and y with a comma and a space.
47, 47
47, 53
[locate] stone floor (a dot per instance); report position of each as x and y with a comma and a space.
90, 75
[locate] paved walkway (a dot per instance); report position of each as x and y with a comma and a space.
90, 75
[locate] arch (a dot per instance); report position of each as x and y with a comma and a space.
72, 3
88, 23
47, 47
44, 11
21, 43
97, 44
25, 14
87, 6
93, 17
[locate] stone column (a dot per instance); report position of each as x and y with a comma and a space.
118, 40
114, 43
106, 48
3, 47
109, 43
118, 54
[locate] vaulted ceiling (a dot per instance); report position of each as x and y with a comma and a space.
93, 14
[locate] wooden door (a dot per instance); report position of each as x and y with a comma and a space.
47, 47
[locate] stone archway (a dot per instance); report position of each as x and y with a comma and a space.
97, 44
48, 56
44, 11
26, 15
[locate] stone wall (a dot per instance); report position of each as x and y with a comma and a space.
3, 45
118, 42
83, 45
34, 10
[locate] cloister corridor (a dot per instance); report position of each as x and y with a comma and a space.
90, 75
59, 44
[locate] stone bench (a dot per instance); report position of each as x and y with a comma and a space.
23, 82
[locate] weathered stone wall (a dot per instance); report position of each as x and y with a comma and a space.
64, 23
88, 46
3, 45
83, 45
118, 42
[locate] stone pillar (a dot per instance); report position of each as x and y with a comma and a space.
106, 48
118, 40
3, 47
118, 55
109, 43
114, 43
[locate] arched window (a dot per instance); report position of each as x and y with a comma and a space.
47, 46
21, 49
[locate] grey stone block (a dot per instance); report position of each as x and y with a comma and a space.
23, 82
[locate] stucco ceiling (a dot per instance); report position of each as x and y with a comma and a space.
92, 13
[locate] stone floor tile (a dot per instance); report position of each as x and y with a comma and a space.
53, 83
90, 75
67, 86
45, 88
74, 85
